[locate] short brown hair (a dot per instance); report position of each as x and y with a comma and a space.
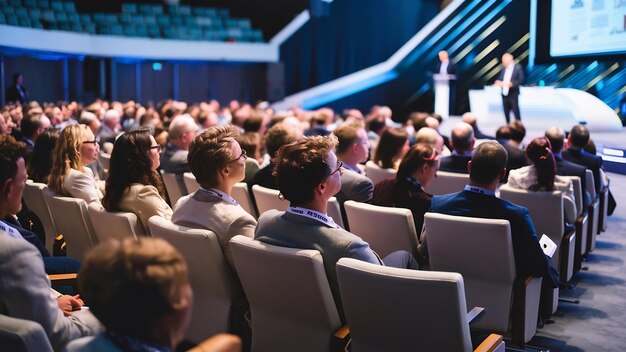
347, 135
209, 153
488, 161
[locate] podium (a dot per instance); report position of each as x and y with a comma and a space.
442, 93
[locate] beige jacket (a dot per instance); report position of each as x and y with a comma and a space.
145, 201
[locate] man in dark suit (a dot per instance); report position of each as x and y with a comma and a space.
578, 137
556, 136
277, 136
462, 140
470, 118
447, 67
308, 174
509, 79
353, 148
516, 157
478, 200
17, 93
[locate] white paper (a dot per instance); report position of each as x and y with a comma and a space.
547, 245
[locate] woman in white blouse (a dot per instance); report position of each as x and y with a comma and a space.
541, 176
134, 184
76, 148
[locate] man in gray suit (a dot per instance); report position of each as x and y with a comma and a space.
353, 148
24, 287
308, 174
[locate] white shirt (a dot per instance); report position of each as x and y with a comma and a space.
508, 73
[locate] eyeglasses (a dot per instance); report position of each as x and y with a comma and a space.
243, 156
157, 147
338, 169
95, 141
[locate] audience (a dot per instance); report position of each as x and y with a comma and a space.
70, 177
133, 184
487, 168
577, 139
471, 119
110, 126
25, 291
183, 129
462, 142
308, 174
218, 162
140, 292
251, 143
393, 144
41, 160
416, 171
353, 149
541, 176
516, 157
277, 136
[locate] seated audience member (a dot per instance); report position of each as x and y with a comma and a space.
353, 149
430, 136
110, 126
319, 123
577, 139
91, 120
70, 176
541, 175
183, 129
218, 162
251, 143
277, 136
308, 174
393, 144
462, 141
134, 184
41, 160
487, 168
31, 127
516, 157
416, 171
140, 292
471, 119
24, 286
556, 136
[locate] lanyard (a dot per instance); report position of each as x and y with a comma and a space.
221, 195
315, 215
11, 231
479, 190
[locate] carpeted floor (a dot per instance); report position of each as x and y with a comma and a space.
598, 323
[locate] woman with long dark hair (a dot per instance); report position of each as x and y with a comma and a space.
392, 146
134, 184
541, 175
41, 160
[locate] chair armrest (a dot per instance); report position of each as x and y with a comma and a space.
475, 315
489, 344
518, 323
565, 254
57, 280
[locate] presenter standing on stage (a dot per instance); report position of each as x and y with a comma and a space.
446, 68
509, 79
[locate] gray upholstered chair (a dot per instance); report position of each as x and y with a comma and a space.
114, 225
19, 335
190, 182
481, 250
386, 229
291, 304
377, 173
242, 196
447, 182
175, 189
391, 309
215, 286
594, 211
267, 198
34, 198
582, 223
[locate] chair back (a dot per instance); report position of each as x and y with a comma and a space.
291, 304
377, 173
267, 198
72, 221
333, 209
114, 225
173, 188
481, 250
35, 201
214, 284
447, 182
590, 184
191, 183
104, 160
391, 309
578, 193
386, 229
242, 196
20, 335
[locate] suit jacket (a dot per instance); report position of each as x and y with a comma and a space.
403, 194
25, 294
588, 160
291, 230
174, 160
264, 178
13, 94
355, 187
145, 201
83, 185
451, 69
516, 157
529, 258
206, 211
455, 163
568, 168
517, 78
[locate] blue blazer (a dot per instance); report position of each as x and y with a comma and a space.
529, 258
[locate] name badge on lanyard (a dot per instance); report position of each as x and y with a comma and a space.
11, 231
315, 215
479, 190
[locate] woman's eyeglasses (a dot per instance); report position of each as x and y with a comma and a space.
95, 141
157, 147
243, 156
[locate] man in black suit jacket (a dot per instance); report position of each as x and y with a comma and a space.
516, 156
471, 119
447, 67
17, 92
462, 140
478, 200
578, 137
556, 136
509, 79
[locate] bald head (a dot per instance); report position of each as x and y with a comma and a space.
507, 59
556, 136
462, 137
429, 136
443, 55
469, 118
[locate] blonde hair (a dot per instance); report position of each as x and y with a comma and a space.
66, 156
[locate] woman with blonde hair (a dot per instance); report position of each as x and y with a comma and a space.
76, 148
